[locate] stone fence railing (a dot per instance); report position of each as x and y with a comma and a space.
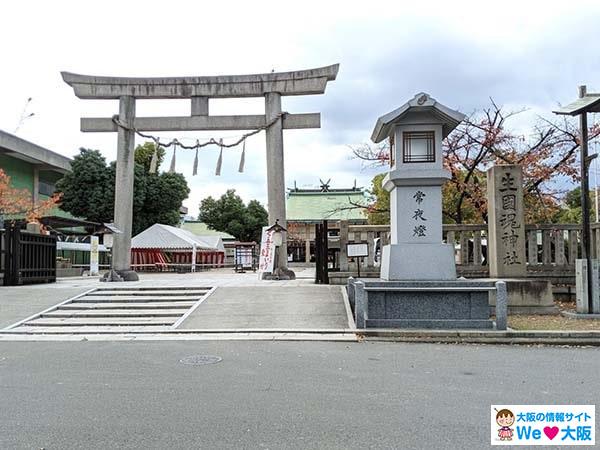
551, 249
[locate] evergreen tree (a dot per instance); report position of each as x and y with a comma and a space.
89, 190
230, 215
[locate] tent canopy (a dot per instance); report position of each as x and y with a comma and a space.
167, 237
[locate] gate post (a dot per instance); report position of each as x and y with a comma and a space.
11, 255
318, 277
325, 235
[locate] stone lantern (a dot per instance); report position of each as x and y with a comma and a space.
418, 287
416, 130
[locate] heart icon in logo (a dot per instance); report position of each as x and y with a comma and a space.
551, 432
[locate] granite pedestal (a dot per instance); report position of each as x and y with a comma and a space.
421, 304
394, 260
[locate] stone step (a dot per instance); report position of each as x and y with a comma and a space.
155, 293
127, 305
93, 321
91, 329
152, 288
173, 313
134, 299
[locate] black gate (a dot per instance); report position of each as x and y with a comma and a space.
3, 257
27, 258
321, 253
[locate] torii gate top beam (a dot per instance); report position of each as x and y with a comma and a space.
301, 82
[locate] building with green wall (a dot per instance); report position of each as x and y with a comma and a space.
32, 167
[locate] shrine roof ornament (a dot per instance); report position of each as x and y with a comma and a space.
420, 103
300, 82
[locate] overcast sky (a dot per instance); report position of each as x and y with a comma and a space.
522, 53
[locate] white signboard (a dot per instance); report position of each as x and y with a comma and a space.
94, 256
243, 257
267, 252
357, 250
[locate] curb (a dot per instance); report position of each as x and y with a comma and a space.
184, 332
580, 316
566, 338
588, 338
222, 336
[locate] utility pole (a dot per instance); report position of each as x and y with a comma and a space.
585, 103
585, 197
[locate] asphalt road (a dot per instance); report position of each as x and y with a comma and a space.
277, 395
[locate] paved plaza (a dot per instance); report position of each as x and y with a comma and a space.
287, 307
224, 301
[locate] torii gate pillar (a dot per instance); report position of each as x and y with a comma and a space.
123, 215
275, 171
199, 90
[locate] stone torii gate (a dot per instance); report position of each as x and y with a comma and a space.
271, 86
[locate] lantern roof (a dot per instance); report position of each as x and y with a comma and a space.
424, 104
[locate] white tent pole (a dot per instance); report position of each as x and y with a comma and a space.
194, 257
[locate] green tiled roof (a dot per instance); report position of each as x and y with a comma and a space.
316, 206
201, 229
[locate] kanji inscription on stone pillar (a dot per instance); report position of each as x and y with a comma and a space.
506, 223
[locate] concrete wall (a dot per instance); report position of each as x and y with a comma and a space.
19, 171
22, 176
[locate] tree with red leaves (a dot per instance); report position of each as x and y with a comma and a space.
18, 202
548, 155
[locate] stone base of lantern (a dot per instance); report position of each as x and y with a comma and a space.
460, 304
418, 262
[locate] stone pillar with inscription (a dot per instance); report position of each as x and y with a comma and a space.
415, 131
506, 222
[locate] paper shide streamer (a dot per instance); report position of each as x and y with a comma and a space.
242, 158
220, 160
154, 160
175, 143
172, 168
195, 168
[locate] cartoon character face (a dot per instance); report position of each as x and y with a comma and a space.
505, 421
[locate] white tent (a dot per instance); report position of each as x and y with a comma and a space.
166, 237
164, 246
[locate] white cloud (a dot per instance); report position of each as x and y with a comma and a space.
524, 54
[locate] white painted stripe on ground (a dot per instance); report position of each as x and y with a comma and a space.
193, 308
52, 308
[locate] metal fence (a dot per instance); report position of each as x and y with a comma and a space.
27, 258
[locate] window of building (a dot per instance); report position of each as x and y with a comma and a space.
418, 146
46, 188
